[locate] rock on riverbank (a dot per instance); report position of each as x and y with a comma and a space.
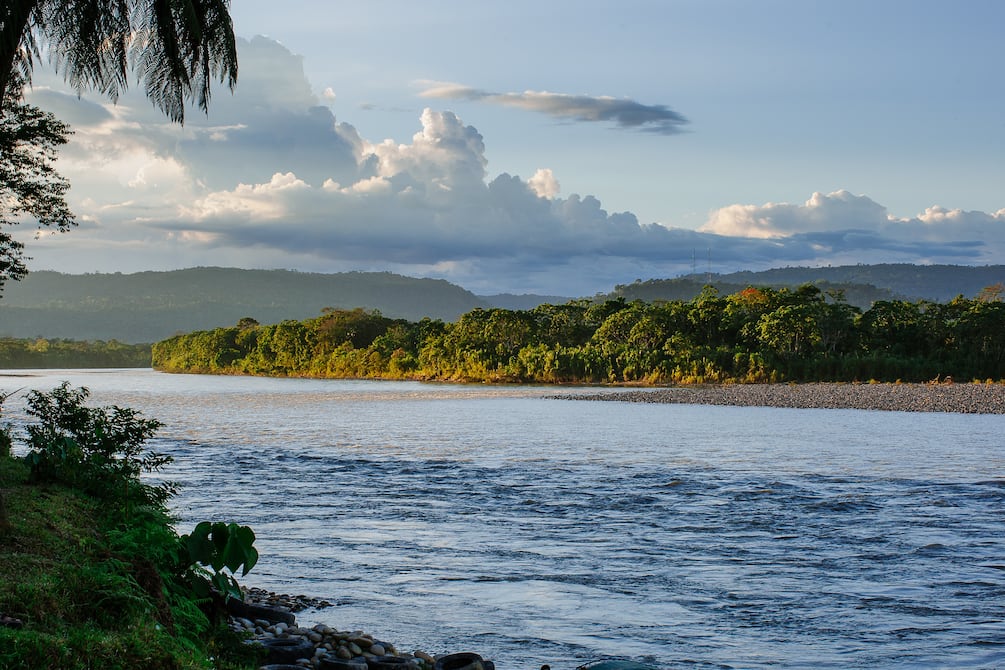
275, 627
969, 398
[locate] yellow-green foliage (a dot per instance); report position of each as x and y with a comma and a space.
755, 335
59, 353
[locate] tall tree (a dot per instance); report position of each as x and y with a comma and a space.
29, 184
175, 47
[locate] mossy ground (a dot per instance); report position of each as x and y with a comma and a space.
84, 602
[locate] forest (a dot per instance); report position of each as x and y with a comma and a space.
751, 336
59, 353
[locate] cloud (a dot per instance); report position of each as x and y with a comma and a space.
833, 211
544, 184
624, 113
272, 179
840, 223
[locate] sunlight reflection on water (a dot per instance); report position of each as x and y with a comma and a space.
548, 531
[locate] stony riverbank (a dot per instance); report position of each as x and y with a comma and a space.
969, 398
293, 645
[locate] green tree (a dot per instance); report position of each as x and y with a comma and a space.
492, 337
361, 328
979, 336
613, 339
173, 47
29, 183
902, 328
564, 324
706, 316
791, 330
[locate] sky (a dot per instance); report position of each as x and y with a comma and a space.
556, 147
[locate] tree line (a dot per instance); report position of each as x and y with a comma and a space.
59, 353
754, 335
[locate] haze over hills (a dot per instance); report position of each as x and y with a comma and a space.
150, 306
861, 284
938, 283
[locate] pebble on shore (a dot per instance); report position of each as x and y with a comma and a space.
323, 639
968, 398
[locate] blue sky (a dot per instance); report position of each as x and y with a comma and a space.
558, 147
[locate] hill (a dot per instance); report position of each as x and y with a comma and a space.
150, 306
861, 284
938, 283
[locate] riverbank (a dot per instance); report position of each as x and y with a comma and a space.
71, 598
969, 398
269, 619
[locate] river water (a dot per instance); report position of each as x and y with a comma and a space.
531, 530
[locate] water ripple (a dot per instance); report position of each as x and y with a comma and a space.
540, 531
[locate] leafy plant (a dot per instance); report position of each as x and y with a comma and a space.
217, 546
100, 449
117, 581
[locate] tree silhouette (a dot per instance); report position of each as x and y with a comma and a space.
174, 47
29, 184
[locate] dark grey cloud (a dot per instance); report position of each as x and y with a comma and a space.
64, 104
622, 112
272, 179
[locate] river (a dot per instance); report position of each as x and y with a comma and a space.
532, 530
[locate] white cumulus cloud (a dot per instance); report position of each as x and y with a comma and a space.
833, 211
544, 183
272, 179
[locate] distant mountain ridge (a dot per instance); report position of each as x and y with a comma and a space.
150, 306
938, 283
861, 284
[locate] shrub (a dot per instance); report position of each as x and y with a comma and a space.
114, 572
97, 449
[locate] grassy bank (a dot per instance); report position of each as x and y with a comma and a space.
92, 573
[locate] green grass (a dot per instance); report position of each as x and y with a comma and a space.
88, 595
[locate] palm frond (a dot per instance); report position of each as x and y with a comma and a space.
174, 47
187, 43
17, 41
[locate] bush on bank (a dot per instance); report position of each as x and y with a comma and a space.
92, 572
756, 335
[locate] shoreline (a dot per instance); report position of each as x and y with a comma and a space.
269, 619
964, 398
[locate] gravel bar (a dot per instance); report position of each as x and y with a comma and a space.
966, 398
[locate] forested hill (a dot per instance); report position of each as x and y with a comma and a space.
149, 306
937, 283
861, 285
